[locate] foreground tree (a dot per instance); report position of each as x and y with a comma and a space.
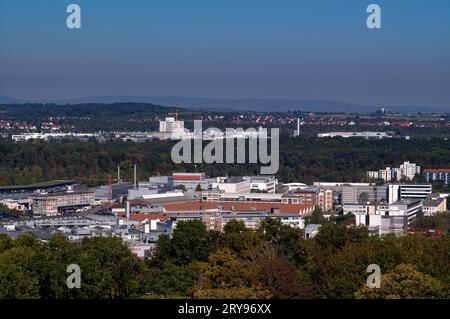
109, 270
405, 282
336, 236
224, 275
18, 280
170, 280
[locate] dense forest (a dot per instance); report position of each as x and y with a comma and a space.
273, 261
301, 159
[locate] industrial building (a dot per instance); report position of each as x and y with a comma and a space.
231, 185
216, 221
53, 204
384, 218
364, 194
265, 184
366, 135
190, 181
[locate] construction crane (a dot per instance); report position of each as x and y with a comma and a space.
107, 179
176, 113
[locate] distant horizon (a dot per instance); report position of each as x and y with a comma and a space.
234, 104
303, 50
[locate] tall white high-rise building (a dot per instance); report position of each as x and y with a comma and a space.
406, 170
171, 125
409, 170
385, 174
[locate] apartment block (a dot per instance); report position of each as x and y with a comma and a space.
437, 174
325, 199
406, 170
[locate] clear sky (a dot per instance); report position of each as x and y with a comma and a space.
315, 49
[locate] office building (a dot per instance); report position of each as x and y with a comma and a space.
171, 125
231, 185
432, 206
364, 194
414, 191
190, 181
437, 174
265, 184
384, 218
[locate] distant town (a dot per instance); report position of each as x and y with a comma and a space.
101, 181
139, 211
380, 124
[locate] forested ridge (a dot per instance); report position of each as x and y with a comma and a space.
95, 111
301, 159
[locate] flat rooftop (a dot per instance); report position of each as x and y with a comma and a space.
48, 184
233, 180
43, 196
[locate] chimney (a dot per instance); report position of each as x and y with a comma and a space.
127, 210
135, 184
298, 127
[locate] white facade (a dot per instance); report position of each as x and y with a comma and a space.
172, 126
433, 206
409, 170
262, 183
373, 174
295, 186
367, 135
406, 170
385, 174
413, 191
393, 193
386, 218
231, 185
47, 136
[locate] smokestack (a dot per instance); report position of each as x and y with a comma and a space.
127, 210
298, 127
135, 185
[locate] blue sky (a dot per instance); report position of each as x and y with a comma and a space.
316, 49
